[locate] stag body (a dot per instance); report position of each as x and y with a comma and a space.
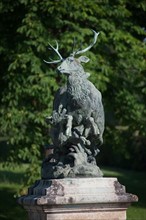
82, 100
77, 121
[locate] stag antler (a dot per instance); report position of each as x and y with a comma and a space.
56, 50
91, 45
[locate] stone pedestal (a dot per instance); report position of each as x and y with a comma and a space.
77, 199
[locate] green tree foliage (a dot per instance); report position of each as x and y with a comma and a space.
117, 68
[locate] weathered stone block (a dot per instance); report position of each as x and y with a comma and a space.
77, 199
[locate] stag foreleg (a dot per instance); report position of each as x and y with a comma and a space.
92, 127
68, 131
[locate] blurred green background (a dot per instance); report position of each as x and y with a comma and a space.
27, 85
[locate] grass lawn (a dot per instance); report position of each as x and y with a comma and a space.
12, 179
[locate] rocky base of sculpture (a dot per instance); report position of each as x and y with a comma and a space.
66, 171
77, 199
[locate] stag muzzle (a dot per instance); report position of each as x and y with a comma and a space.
62, 70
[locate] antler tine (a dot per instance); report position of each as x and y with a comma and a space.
91, 45
55, 61
56, 50
57, 45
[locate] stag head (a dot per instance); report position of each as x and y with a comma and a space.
72, 64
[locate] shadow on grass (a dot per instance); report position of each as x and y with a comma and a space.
9, 208
11, 177
11, 180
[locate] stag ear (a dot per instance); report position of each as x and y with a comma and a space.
83, 59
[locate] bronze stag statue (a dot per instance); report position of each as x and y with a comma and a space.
77, 121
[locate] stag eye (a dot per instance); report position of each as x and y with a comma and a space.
71, 59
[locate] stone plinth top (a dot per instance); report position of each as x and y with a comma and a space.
77, 191
77, 199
